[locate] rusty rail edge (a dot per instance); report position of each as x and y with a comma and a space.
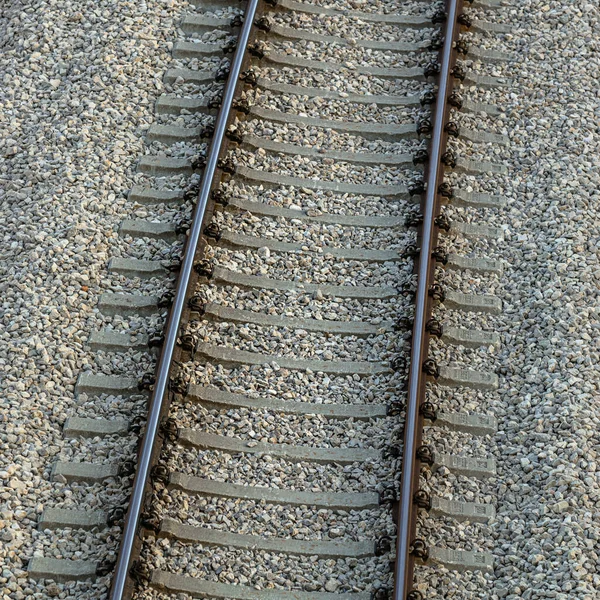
430, 205
130, 539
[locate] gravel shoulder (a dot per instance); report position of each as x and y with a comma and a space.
545, 535
79, 88
547, 531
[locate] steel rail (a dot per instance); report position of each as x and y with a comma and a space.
164, 366
407, 510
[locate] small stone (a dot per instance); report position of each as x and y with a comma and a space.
561, 506
53, 590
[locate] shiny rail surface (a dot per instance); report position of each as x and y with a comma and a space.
430, 209
148, 446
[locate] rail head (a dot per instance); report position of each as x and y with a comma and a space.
119, 587
407, 510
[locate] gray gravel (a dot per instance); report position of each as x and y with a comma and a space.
335, 110
265, 570
545, 535
548, 489
377, 6
79, 87
325, 169
268, 471
348, 82
297, 343
296, 231
354, 55
312, 268
263, 426
318, 201
304, 135
301, 305
316, 387
301, 523
353, 27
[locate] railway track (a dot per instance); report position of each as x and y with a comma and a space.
296, 412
